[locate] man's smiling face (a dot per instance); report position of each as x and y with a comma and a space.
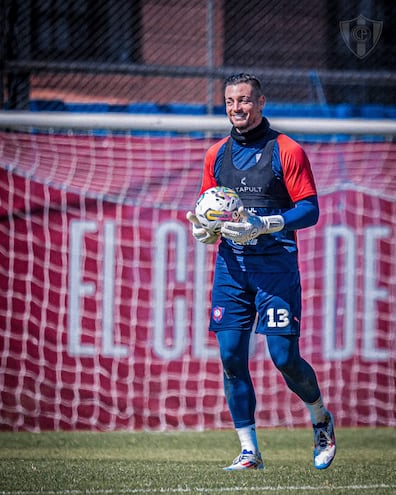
243, 106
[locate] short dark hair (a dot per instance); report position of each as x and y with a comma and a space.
244, 77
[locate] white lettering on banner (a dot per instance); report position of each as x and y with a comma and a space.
342, 282
200, 331
79, 289
108, 347
372, 293
163, 348
174, 348
336, 236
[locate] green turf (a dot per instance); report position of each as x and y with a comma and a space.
75, 463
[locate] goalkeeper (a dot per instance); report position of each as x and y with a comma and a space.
257, 269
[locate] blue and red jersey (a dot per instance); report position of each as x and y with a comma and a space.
272, 175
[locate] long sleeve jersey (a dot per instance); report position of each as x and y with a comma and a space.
272, 175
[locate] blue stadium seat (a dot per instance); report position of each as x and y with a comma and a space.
391, 112
219, 110
144, 108
118, 108
372, 111
345, 111
297, 110
186, 108
46, 106
86, 107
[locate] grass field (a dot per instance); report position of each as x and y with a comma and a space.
75, 463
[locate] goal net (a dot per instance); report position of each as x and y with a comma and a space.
104, 293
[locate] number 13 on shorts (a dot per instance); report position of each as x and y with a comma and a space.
278, 317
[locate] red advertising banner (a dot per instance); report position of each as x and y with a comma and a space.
104, 293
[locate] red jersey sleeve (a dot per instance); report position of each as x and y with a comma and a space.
208, 178
297, 172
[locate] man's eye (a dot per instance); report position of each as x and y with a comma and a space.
242, 100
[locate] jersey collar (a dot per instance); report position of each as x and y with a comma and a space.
252, 136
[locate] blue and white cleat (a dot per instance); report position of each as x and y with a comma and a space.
324, 443
246, 460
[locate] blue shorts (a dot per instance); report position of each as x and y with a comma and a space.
239, 294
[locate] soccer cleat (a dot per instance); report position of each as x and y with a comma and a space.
246, 460
324, 443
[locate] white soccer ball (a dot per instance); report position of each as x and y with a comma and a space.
217, 205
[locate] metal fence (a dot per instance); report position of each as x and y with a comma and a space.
161, 52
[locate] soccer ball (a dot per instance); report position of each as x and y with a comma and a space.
217, 205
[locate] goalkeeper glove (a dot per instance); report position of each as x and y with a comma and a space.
201, 234
251, 226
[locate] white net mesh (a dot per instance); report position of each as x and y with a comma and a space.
104, 294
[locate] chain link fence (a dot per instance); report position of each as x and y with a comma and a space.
148, 53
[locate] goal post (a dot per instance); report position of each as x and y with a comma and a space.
104, 293
190, 123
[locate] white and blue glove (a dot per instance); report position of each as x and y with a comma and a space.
199, 233
251, 226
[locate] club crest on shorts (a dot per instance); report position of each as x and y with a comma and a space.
361, 35
217, 313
